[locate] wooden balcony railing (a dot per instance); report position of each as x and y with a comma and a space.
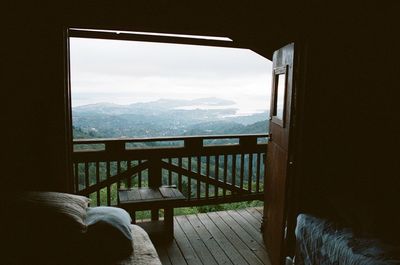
206, 169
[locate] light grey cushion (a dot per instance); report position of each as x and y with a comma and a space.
109, 232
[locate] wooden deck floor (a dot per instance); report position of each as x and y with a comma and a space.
226, 237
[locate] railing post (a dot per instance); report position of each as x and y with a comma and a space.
248, 141
155, 180
193, 143
115, 147
155, 176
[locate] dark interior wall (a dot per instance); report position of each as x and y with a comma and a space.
349, 163
33, 128
349, 138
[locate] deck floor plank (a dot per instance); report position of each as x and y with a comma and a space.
254, 212
174, 253
224, 242
241, 247
197, 244
256, 234
260, 210
220, 238
256, 223
251, 243
163, 254
182, 241
209, 241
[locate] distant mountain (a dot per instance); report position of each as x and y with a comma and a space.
152, 107
102, 107
227, 127
214, 127
164, 117
249, 119
257, 127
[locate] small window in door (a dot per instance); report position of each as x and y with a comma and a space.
278, 114
280, 97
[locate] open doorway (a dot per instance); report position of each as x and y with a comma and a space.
147, 92
185, 111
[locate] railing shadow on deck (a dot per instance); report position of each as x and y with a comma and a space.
209, 169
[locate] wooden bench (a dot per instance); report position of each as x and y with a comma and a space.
140, 199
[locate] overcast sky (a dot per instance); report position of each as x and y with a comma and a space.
125, 72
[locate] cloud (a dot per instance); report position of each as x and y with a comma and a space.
125, 72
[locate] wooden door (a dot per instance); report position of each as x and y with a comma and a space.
275, 206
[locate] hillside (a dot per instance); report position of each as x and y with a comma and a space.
164, 117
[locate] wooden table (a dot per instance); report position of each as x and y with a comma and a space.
140, 199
